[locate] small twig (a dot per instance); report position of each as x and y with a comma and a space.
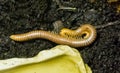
61, 7
66, 8
108, 24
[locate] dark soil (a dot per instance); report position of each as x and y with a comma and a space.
19, 16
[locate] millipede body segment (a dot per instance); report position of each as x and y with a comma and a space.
83, 36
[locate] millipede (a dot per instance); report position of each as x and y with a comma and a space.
83, 36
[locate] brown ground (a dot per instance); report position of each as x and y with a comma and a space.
19, 16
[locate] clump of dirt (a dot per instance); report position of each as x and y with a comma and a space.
19, 16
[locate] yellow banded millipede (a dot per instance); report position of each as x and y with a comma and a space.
83, 36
